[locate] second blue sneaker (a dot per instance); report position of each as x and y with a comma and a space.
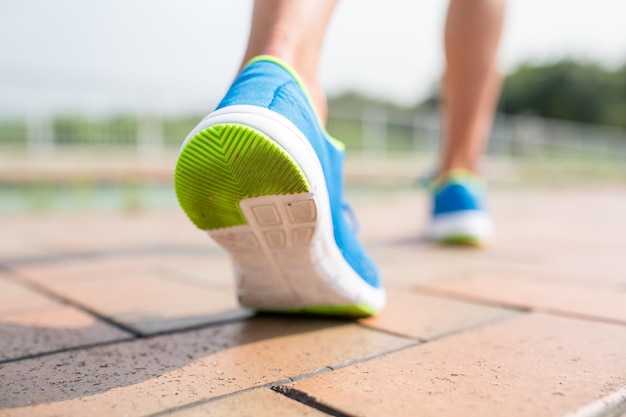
458, 212
263, 177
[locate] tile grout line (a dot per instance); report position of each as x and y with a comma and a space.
68, 349
450, 295
304, 398
612, 405
390, 332
210, 400
617, 399
120, 252
307, 400
350, 362
27, 310
199, 326
274, 386
277, 385
422, 289
42, 290
514, 315
579, 316
224, 322
137, 335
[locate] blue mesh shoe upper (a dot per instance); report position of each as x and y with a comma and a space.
267, 83
454, 195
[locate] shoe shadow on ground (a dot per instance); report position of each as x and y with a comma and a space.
150, 356
223, 358
136, 321
422, 243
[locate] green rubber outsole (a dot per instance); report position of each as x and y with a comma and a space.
227, 163
349, 311
461, 240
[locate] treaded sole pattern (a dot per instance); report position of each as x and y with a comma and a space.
255, 201
227, 163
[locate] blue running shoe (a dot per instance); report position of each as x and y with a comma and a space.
458, 213
263, 177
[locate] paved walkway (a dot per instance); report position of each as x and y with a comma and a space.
134, 315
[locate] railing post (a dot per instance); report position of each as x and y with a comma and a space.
40, 134
374, 137
150, 136
426, 129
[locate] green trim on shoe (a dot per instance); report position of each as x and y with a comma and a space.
339, 144
461, 240
458, 176
350, 311
227, 163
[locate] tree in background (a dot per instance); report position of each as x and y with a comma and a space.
567, 89
616, 113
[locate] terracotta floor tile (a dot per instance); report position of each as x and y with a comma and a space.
214, 268
49, 329
407, 263
59, 269
593, 269
18, 249
15, 298
149, 293
258, 403
538, 294
554, 270
534, 365
83, 231
532, 231
155, 271
152, 304
426, 317
150, 375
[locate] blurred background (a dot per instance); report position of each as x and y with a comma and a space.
97, 96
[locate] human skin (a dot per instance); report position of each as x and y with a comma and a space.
294, 32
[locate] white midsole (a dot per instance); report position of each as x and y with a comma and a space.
469, 223
333, 268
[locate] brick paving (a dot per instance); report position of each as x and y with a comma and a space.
113, 314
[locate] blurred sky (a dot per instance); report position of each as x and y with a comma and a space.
175, 56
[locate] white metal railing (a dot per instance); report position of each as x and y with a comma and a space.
371, 131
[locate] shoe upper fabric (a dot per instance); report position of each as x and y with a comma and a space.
458, 195
268, 83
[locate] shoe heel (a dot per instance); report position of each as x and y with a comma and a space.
252, 179
226, 163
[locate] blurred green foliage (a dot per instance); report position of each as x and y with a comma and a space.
70, 130
567, 89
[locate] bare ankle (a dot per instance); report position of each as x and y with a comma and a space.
306, 70
318, 97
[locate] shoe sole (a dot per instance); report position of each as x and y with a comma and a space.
250, 178
471, 228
